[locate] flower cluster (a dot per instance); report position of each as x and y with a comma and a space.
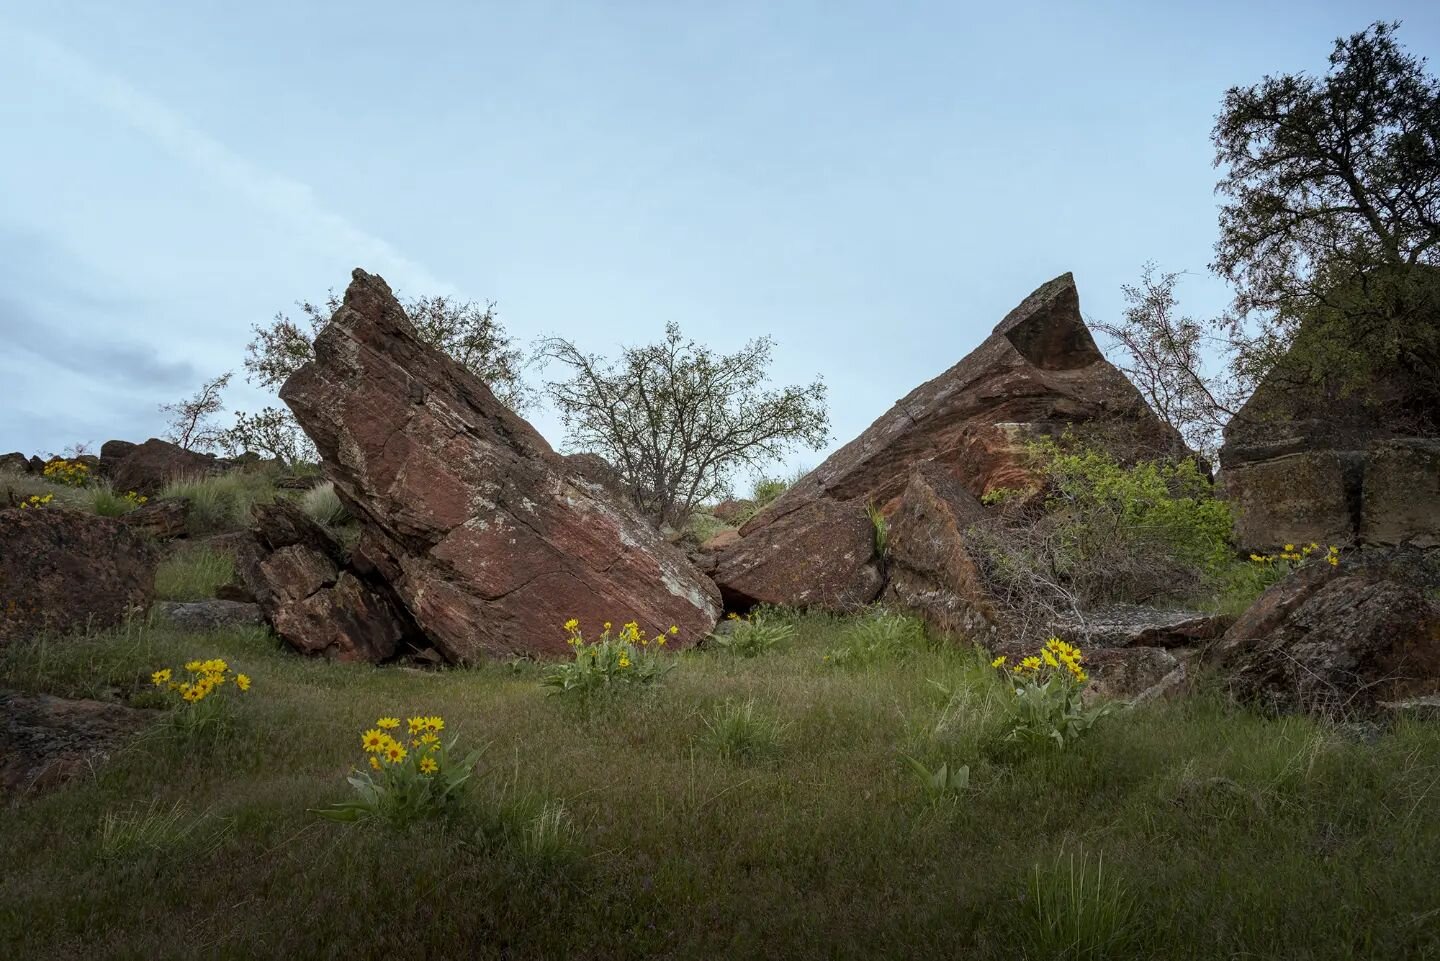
381, 745
71, 473
626, 656
1047, 708
1056, 654
36, 501
1292, 554
409, 778
206, 677
134, 499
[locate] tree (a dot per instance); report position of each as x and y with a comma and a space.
1330, 228
1167, 357
469, 333
272, 432
192, 421
678, 420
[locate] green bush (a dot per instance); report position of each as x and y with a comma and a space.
223, 502
616, 660
100, 498
761, 632
877, 635
1047, 710
767, 490
738, 732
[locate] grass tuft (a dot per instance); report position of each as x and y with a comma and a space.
193, 574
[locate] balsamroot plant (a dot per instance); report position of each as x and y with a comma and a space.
1047, 707
405, 780
626, 658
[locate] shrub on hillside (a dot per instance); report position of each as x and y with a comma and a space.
1104, 532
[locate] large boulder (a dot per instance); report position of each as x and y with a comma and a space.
312, 599
1300, 465
932, 570
63, 571
162, 520
14, 463
146, 468
1338, 640
490, 539
1038, 374
46, 740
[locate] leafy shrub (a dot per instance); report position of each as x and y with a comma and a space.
222, 502
404, 784
1047, 707
322, 505
878, 634
1103, 533
738, 732
767, 490
760, 633
941, 783
193, 574
621, 659
1076, 914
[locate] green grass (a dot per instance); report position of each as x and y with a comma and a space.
618, 832
193, 573
222, 502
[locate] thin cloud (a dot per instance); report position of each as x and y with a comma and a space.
98, 359
288, 200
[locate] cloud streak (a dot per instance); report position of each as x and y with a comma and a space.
111, 361
287, 200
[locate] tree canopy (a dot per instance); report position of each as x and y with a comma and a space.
677, 420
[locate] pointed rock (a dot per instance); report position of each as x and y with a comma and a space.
489, 538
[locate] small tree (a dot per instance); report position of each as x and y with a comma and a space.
469, 333
1330, 229
1166, 356
271, 432
192, 421
678, 420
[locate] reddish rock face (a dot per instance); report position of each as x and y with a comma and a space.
490, 539
295, 571
163, 520
931, 570
821, 556
1037, 374
63, 571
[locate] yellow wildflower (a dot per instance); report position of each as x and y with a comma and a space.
375, 763
428, 739
674, 630
388, 723
159, 678
428, 765
193, 667
417, 724
435, 723
395, 753
372, 740
998, 662
242, 681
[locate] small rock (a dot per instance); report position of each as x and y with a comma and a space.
209, 615
46, 740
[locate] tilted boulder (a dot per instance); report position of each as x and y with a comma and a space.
63, 571
932, 572
1338, 640
489, 538
297, 574
1038, 374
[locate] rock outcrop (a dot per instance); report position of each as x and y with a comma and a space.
1299, 467
1039, 373
14, 463
46, 740
1340, 640
313, 601
146, 468
63, 571
162, 520
209, 615
490, 540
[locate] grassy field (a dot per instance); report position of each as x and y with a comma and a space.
744, 807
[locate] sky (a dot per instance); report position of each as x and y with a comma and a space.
872, 184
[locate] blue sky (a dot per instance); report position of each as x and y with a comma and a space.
873, 184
